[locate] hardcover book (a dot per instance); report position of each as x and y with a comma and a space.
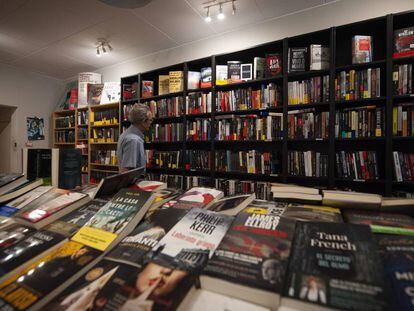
246, 72
404, 42
381, 222
115, 219
84, 80
111, 93
221, 74
163, 84
193, 80
47, 277
361, 49
147, 88
94, 93
334, 266
176, 81
251, 261
206, 77
234, 71
297, 59
319, 57
273, 65
259, 64
397, 254
196, 197
192, 241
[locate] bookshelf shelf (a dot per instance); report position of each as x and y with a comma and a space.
369, 181
64, 128
339, 41
308, 140
130, 101
403, 138
105, 125
104, 165
105, 106
378, 63
104, 143
165, 170
104, 171
64, 144
170, 119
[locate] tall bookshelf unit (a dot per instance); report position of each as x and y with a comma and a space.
339, 40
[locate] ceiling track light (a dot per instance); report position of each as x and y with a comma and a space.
103, 47
219, 4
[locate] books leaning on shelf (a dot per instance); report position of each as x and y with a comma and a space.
308, 163
403, 42
402, 78
163, 159
368, 121
164, 107
198, 103
313, 90
357, 165
308, 124
362, 48
358, 84
199, 129
170, 132
403, 120
403, 166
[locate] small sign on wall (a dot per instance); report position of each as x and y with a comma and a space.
35, 128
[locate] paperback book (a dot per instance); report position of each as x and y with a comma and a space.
196, 197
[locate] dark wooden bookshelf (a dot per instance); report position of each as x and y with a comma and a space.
339, 40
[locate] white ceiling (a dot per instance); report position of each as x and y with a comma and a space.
58, 37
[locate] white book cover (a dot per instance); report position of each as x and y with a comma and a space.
111, 93
221, 72
83, 79
192, 241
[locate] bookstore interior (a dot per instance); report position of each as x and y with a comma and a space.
278, 168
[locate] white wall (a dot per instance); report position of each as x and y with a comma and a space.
33, 95
332, 14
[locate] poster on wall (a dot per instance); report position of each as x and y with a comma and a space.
35, 128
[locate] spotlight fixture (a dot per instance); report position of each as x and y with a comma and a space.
103, 47
221, 14
208, 17
218, 3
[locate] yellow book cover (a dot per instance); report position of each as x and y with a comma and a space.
163, 84
221, 82
176, 81
394, 121
95, 238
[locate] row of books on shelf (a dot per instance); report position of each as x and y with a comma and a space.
68, 121
403, 166
252, 162
308, 124
358, 84
171, 132
195, 159
264, 97
312, 90
166, 107
104, 135
65, 136
368, 121
198, 130
307, 163
403, 119
104, 117
402, 78
82, 133
357, 165
113, 251
103, 157
267, 126
83, 117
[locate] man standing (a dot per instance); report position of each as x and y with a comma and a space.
130, 149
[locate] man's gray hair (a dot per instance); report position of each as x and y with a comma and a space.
138, 113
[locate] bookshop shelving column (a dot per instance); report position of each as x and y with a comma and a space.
104, 127
64, 129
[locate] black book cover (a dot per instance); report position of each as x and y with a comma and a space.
12, 235
70, 168
27, 248
234, 70
39, 165
335, 265
255, 250
133, 248
298, 59
44, 276
397, 254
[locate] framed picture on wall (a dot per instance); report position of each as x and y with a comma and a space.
35, 128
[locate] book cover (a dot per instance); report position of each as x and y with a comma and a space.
94, 93
335, 265
196, 197
206, 77
133, 248
176, 81
259, 64
17, 193
147, 88
46, 276
273, 65
361, 49
111, 93
8, 178
221, 74
381, 222
231, 205
234, 71
193, 80
246, 72
12, 235
105, 226
404, 42
305, 212
37, 163
43, 208
397, 254
192, 241
298, 59
163, 84
255, 250
149, 185
66, 168
319, 57
85, 78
